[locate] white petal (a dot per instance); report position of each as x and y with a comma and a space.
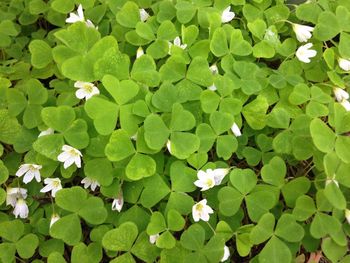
227, 15
55, 190
37, 176
81, 93
46, 188
177, 41
235, 129
80, 12
62, 157
73, 18
77, 161
226, 254
22, 170
28, 177
344, 64
68, 162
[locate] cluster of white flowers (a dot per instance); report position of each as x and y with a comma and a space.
15, 197
303, 34
342, 97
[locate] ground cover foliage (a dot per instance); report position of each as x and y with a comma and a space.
174, 131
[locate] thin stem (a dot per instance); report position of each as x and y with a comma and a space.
212, 229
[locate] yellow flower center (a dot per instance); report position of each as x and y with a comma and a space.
199, 207
56, 184
88, 88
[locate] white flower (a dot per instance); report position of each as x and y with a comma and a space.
302, 32
210, 178
85, 90
139, 52
48, 131
201, 211
79, 17
54, 218
212, 87
12, 193
53, 185
153, 238
118, 203
345, 104
226, 254
304, 53
168, 146
227, 15
347, 215
177, 42
219, 174
29, 171
340, 94
21, 209
143, 15
69, 156
88, 182
205, 180
214, 69
235, 129
344, 64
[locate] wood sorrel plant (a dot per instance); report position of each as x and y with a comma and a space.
174, 131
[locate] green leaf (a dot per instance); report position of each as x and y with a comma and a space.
244, 180
41, 53
209, 101
295, 188
99, 169
263, 50
278, 118
255, 113
221, 122
259, 202
218, 43
175, 221
239, 46
335, 196
156, 132
49, 145
140, 166
225, 146
27, 245
323, 224
304, 208
156, 224
300, 94
9, 127
71, 199
229, 200
7, 252
11, 230
166, 31
93, 211
263, 230
322, 136
114, 63
181, 119
144, 250
332, 250
122, 238
274, 172
193, 237
185, 11
198, 72
129, 15
155, 190
68, 229
288, 229
144, 71
119, 146
344, 42
58, 118
4, 173
342, 145
183, 144
166, 240
274, 251
104, 113
327, 26
123, 91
